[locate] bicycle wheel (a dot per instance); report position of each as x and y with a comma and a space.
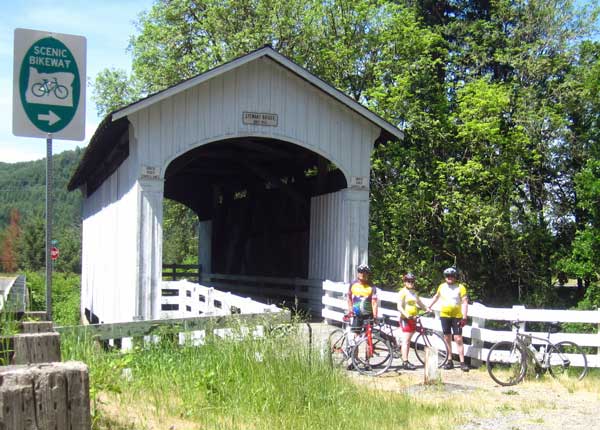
38, 89
61, 92
506, 363
372, 364
338, 347
431, 339
567, 358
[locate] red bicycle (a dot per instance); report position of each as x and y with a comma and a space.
366, 350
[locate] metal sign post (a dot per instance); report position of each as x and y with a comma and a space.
48, 226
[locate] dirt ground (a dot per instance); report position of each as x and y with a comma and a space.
544, 404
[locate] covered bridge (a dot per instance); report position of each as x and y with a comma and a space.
274, 161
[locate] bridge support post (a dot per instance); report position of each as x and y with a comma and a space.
149, 251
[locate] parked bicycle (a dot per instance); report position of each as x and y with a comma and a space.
425, 337
366, 351
508, 361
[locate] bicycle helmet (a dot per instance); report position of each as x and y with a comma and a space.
363, 268
409, 277
451, 271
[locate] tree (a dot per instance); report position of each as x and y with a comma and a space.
8, 254
180, 234
32, 246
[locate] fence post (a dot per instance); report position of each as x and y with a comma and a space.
209, 301
327, 307
518, 309
477, 323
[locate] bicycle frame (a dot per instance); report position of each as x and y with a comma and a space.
526, 343
369, 334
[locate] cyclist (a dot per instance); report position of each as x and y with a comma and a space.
408, 304
453, 313
362, 298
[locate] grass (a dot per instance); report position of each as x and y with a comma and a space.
270, 382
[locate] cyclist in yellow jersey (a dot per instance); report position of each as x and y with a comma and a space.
362, 297
453, 313
408, 306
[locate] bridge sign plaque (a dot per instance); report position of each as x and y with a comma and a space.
49, 85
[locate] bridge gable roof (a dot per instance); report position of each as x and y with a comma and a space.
108, 147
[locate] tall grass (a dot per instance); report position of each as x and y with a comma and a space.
9, 326
262, 383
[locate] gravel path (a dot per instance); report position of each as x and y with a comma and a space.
546, 404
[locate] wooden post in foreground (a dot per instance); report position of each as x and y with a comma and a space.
45, 396
432, 371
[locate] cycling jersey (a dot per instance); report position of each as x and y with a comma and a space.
451, 297
410, 301
362, 296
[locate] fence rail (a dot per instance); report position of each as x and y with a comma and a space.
478, 338
132, 329
176, 272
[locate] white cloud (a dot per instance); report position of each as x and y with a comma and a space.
13, 153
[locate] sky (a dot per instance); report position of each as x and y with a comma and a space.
107, 26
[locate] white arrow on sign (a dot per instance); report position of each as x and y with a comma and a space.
52, 118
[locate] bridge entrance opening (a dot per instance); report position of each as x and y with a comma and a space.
252, 198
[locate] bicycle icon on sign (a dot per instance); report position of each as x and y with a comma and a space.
49, 86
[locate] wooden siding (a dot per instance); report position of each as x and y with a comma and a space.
339, 235
110, 247
213, 111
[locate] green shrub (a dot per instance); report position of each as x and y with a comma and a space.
66, 296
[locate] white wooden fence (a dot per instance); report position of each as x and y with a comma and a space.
304, 293
185, 299
478, 338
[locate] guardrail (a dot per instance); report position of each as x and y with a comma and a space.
478, 338
138, 329
13, 294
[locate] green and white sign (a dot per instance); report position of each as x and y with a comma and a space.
49, 85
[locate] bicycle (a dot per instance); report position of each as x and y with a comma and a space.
508, 361
425, 338
48, 86
369, 353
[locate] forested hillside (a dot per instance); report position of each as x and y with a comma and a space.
22, 208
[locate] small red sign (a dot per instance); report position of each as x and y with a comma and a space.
54, 253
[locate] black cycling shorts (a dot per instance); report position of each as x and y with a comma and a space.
451, 326
358, 321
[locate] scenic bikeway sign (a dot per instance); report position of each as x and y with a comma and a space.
49, 85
